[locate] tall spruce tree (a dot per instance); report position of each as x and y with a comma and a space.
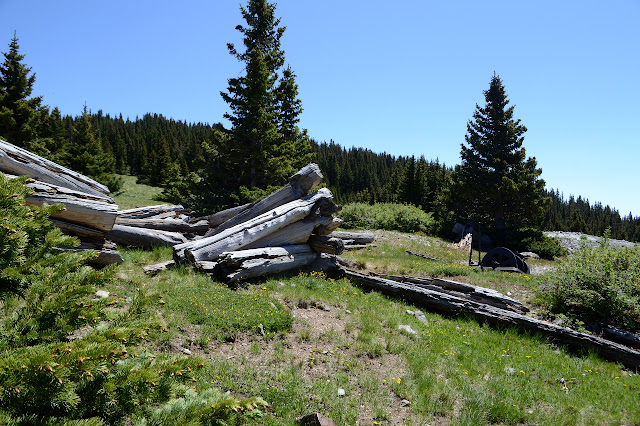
265, 142
496, 184
18, 112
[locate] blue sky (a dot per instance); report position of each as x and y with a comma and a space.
400, 77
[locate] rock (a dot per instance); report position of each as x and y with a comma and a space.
407, 329
102, 294
315, 419
341, 392
420, 316
405, 403
509, 370
186, 351
529, 255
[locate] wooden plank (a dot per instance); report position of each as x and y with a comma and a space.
356, 237
90, 213
246, 264
169, 224
148, 211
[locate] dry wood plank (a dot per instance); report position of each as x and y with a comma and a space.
18, 161
296, 233
447, 303
141, 237
356, 237
246, 264
106, 250
243, 234
169, 224
298, 186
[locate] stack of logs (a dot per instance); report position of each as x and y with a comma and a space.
89, 212
284, 231
288, 229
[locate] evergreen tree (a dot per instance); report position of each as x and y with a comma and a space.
84, 153
18, 112
266, 144
496, 184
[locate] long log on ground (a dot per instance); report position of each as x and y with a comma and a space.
148, 211
157, 267
243, 234
447, 303
463, 290
298, 186
18, 161
141, 237
246, 264
358, 246
169, 224
356, 237
78, 209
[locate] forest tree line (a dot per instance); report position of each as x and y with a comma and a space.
210, 167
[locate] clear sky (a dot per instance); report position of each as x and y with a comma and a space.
401, 77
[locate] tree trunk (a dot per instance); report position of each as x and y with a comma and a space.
169, 224
447, 303
107, 252
326, 244
246, 264
149, 211
18, 161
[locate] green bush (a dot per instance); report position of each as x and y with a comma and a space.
387, 216
545, 247
598, 285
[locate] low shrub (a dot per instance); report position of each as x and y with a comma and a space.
387, 216
598, 285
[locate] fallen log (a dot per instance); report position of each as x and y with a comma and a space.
20, 162
222, 216
355, 237
169, 224
447, 303
148, 211
424, 256
141, 237
80, 210
463, 290
243, 234
326, 244
78, 230
298, 186
246, 264
296, 233
358, 246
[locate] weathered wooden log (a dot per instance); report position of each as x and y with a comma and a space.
155, 268
78, 230
148, 211
107, 252
296, 233
447, 303
326, 244
463, 290
222, 216
298, 186
246, 264
356, 237
424, 256
141, 237
358, 246
346, 263
18, 161
80, 208
169, 224
329, 227
243, 234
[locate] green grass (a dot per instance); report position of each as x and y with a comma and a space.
134, 194
453, 370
